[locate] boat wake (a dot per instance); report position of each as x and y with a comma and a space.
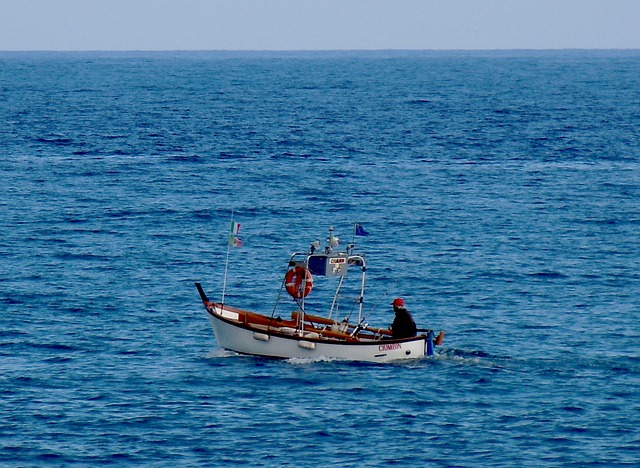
218, 353
470, 357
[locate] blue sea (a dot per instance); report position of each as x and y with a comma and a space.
501, 193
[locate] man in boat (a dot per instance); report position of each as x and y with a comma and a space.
403, 325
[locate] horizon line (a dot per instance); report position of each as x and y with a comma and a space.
515, 49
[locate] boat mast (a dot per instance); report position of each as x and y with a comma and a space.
361, 299
226, 263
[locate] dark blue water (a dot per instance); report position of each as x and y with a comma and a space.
502, 194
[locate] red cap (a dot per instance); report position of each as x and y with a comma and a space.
397, 302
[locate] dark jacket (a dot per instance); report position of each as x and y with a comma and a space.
403, 325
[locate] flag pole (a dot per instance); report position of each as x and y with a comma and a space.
226, 263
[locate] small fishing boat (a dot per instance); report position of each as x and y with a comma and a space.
303, 333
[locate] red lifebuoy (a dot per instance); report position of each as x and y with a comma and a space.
298, 282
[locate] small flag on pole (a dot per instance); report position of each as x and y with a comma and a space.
235, 228
234, 241
359, 231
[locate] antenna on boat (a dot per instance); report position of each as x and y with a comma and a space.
332, 241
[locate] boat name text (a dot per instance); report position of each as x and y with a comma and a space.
389, 347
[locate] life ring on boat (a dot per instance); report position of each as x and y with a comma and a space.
298, 282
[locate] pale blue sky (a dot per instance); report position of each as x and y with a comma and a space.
318, 24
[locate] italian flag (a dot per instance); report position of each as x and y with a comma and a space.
234, 241
235, 228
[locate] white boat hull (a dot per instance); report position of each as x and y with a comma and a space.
288, 343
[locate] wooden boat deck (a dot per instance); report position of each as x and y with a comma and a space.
323, 327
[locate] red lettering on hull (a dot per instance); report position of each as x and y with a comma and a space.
389, 347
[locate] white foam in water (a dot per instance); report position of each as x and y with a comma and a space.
219, 353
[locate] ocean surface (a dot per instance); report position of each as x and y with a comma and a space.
501, 191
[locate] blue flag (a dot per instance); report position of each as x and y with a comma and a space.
359, 231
